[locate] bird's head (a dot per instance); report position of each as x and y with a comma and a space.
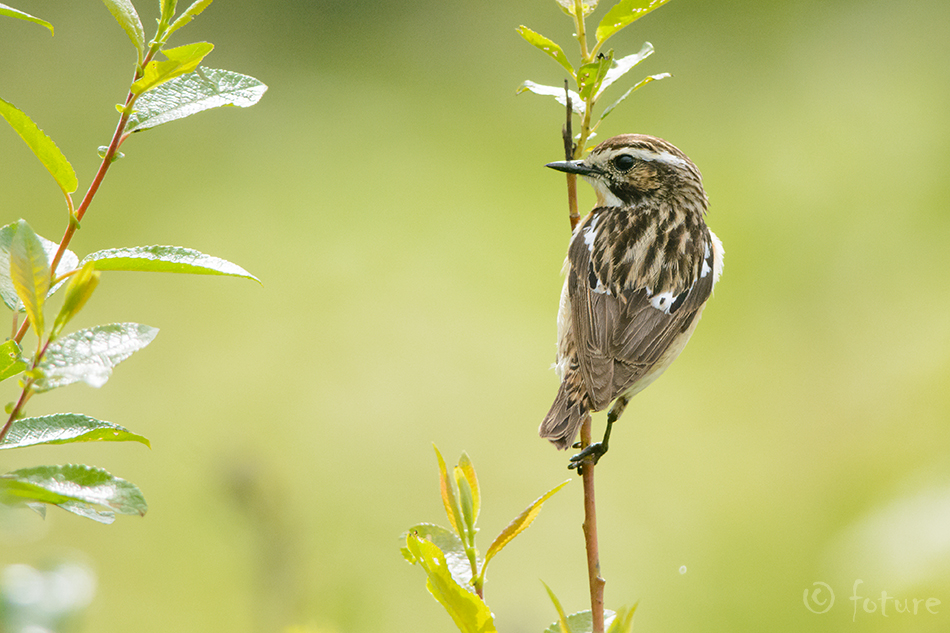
627, 169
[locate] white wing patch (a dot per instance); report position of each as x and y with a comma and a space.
590, 233
662, 301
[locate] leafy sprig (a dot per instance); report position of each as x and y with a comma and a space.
33, 268
597, 70
455, 570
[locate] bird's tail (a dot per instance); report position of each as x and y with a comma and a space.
567, 414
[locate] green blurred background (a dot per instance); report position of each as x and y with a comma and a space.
389, 190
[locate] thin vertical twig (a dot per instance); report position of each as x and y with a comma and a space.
595, 580
567, 134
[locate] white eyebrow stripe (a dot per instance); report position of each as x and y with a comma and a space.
661, 157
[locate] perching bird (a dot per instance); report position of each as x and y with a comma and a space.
640, 268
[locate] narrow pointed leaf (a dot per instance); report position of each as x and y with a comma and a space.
581, 622
89, 355
8, 293
11, 362
125, 14
194, 92
42, 146
29, 270
197, 7
468, 611
577, 104
547, 46
452, 548
642, 83
65, 428
164, 259
452, 510
562, 626
181, 60
78, 290
623, 65
466, 505
623, 14
521, 523
622, 621
69, 484
168, 9
14, 13
468, 469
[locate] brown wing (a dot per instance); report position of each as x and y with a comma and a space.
619, 338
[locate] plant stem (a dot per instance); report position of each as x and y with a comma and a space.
595, 580
25, 394
581, 33
576, 151
75, 217
567, 134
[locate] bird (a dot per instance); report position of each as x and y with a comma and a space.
640, 268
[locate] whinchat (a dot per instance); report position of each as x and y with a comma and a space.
640, 268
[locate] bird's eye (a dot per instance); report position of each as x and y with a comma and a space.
624, 162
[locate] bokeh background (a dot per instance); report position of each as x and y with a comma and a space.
389, 190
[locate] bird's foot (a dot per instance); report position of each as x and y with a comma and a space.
590, 455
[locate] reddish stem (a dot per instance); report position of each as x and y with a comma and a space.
590, 538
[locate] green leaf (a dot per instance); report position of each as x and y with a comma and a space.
468, 470
181, 60
68, 262
520, 524
623, 65
80, 287
586, 7
582, 622
470, 613
164, 259
192, 93
642, 83
65, 428
71, 484
29, 270
591, 75
90, 354
42, 146
452, 509
623, 14
452, 548
622, 620
14, 13
168, 9
197, 7
87, 511
562, 625
11, 361
577, 104
124, 13
547, 46
466, 504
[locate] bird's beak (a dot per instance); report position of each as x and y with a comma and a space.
578, 167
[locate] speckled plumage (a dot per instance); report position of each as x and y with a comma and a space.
640, 268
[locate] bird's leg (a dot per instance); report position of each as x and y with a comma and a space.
595, 451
